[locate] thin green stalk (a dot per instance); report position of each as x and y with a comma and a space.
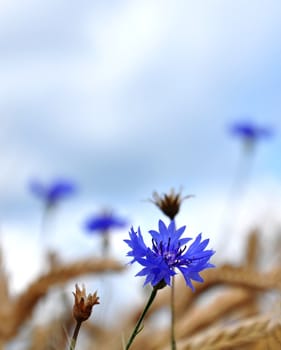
105, 243
138, 325
45, 225
75, 335
173, 339
236, 192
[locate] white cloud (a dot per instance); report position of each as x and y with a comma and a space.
125, 40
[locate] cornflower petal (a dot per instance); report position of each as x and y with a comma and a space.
183, 241
177, 233
136, 242
163, 229
103, 222
168, 253
156, 272
190, 275
54, 192
250, 131
194, 247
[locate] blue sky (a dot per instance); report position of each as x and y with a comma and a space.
127, 97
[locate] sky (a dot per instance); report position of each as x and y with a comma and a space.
128, 97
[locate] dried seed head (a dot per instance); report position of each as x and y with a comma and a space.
83, 304
170, 203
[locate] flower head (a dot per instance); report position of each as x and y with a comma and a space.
54, 192
104, 222
170, 203
83, 304
250, 131
168, 253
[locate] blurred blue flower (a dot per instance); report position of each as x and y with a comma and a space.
169, 252
104, 222
250, 131
54, 192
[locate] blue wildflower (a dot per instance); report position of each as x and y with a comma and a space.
51, 194
104, 222
169, 252
250, 131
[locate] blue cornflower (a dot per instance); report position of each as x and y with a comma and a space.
250, 131
169, 252
104, 222
54, 192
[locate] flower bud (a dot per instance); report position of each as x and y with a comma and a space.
83, 304
170, 203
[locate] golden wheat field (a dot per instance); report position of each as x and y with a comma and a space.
227, 311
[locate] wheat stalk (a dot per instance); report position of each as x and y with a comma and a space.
245, 332
199, 317
21, 308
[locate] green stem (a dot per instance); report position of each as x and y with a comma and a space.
137, 327
105, 243
173, 339
75, 335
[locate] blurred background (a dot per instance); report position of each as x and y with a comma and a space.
127, 97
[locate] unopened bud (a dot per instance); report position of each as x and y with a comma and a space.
83, 304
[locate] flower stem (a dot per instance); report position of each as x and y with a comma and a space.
105, 243
173, 340
75, 335
137, 327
